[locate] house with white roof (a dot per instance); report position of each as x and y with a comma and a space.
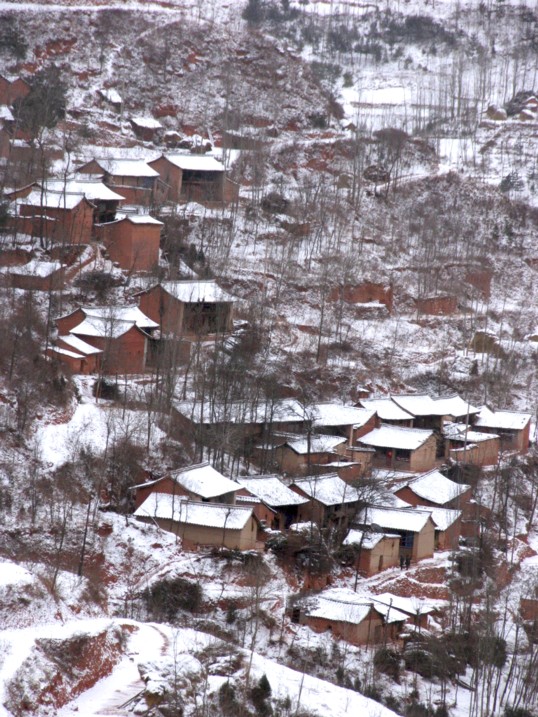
199, 524
194, 177
38, 275
200, 482
466, 444
374, 551
133, 178
270, 491
331, 501
447, 527
120, 333
297, 455
417, 609
132, 241
352, 422
431, 412
433, 489
400, 448
512, 427
146, 128
388, 411
415, 527
357, 619
189, 308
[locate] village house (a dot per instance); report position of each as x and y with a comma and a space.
110, 98
194, 178
134, 179
38, 276
432, 413
199, 524
120, 333
351, 617
388, 411
200, 482
132, 241
374, 551
78, 355
251, 420
271, 492
13, 89
190, 309
447, 527
348, 421
63, 211
433, 489
402, 448
512, 427
331, 501
415, 528
417, 610
146, 128
296, 455
466, 445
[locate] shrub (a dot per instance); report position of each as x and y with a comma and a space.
260, 696
166, 598
387, 661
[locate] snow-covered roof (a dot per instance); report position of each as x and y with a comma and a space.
435, 487
147, 122
126, 167
91, 189
327, 489
344, 605
398, 437
210, 515
195, 162
444, 517
464, 433
285, 411
51, 200
315, 444
204, 480
395, 518
367, 540
411, 606
142, 219
121, 313
416, 404
271, 490
194, 292
386, 409
37, 268
336, 414
111, 95
79, 345
502, 420
6, 113
453, 406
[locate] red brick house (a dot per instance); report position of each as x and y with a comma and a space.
415, 527
331, 501
120, 333
189, 308
38, 276
132, 241
512, 427
401, 448
12, 90
194, 178
388, 412
434, 490
464, 444
146, 128
134, 179
272, 492
348, 421
374, 551
200, 482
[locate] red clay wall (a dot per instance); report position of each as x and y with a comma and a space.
133, 246
481, 280
364, 293
170, 175
437, 305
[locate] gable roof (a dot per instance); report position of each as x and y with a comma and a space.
386, 409
92, 189
327, 489
37, 268
111, 321
205, 291
367, 540
401, 519
191, 512
336, 414
444, 517
453, 406
412, 605
502, 420
195, 162
316, 444
122, 167
435, 487
465, 434
397, 437
271, 490
204, 480
79, 345
344, 605
416, 404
